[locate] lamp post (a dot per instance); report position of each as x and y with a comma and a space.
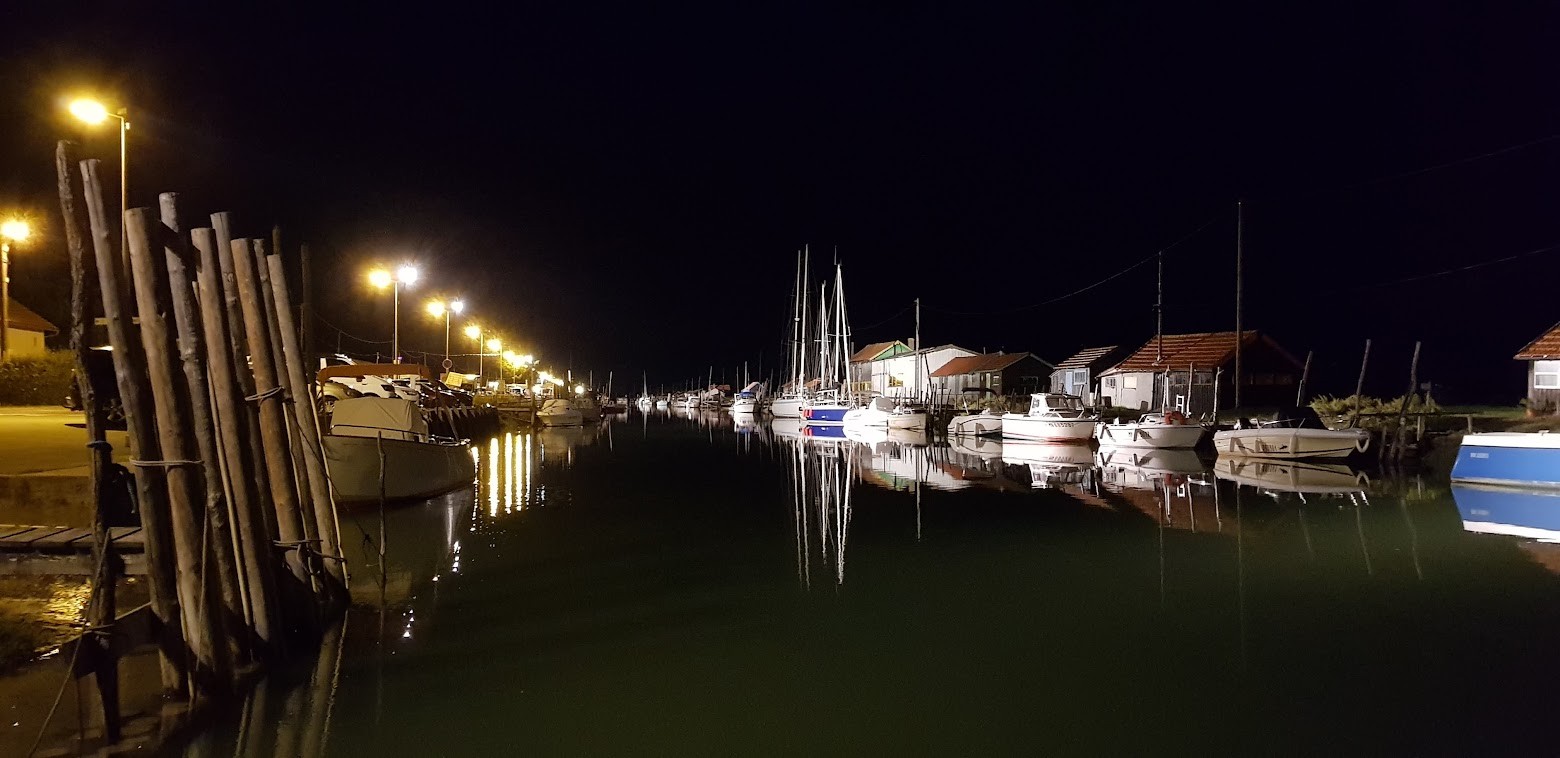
403, 277
494, 345
93, 112
474, 332
10, 231
437, 308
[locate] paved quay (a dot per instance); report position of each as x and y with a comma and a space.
43, 466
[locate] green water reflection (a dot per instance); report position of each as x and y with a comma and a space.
680, 583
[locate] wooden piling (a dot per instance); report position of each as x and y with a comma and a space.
253, 542
221, 573
134, 394
1359, 386
238, 349
100, 606
1305, 374
273, 429
302, 386
1400, 439
170, 401
295, 446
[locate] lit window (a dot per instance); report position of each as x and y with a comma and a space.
1546, 375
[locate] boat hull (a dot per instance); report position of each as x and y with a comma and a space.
824, 414
1291, 444
975, 425
786, 407
744, 405
1530, 460
1150, 435
1020, 427
413, 470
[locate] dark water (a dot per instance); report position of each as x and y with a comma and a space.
680, 586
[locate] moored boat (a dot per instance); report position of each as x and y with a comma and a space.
1168, 430
987, 423
1052, 417
415, 464
1511, 459
558, 412
1291, 439
884, 413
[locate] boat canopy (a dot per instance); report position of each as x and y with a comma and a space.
374, 369
1054, 402
391, 418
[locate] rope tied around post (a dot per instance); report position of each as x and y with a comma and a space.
99, 445
163, 464
258, 396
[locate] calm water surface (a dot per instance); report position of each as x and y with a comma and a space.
693, 585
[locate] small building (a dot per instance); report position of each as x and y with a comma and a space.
1180, 371
1002, 373
1080, 374
1543, 357
26, 330
892, 371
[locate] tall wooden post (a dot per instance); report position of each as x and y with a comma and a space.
135, 396
273, 428
238, 348
295, 445
1240, 274
1359, 386
308, 426
1400, 442
253, 541
221, 573
1305, 374
100, 608
170, 397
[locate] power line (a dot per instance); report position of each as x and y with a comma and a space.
1448, 272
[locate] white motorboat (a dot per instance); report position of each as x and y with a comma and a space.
415, 465
558, 411
587, 407
987, 423
1052, 417
644, 402
885, 413
1170, 430
1291, 439
663, 403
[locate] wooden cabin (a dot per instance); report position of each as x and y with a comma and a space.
1080, 374
1543, 383
1002, 373
1178, 371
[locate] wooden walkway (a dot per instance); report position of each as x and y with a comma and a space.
64, 550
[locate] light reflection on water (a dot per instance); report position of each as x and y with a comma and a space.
1049, 576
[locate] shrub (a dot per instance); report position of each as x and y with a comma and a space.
1373, 411
36, 379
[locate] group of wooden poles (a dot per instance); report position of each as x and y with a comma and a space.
242, 540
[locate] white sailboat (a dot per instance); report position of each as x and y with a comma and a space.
884, 413
794, 392
829, 405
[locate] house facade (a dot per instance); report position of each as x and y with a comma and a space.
1183, 371
893, 372
1002, 373
26, 331
1543, 380
1080, 374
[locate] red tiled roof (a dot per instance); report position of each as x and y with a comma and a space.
1546, 347
875, 349
24, 319
1206, 349
1087, 356
970, 364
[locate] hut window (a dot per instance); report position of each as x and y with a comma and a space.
1546, 375
1129, 382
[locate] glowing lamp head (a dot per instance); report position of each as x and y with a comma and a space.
473, 331
457, 307
493, 345
435, 308
579, 389
526, 360
380, 278
406, 274
89, 111
15, 230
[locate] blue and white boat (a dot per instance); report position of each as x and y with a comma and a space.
824, 409
1509, 459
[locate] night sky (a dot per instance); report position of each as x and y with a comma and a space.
625, 188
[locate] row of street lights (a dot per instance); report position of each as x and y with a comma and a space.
407, 275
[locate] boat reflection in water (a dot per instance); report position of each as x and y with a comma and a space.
822, 474
1052, 465
1296, 477
1531, 515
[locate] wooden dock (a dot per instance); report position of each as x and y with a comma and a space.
35, 550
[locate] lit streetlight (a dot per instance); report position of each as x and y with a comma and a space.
92, 112
404, 276
14, 230
437, 308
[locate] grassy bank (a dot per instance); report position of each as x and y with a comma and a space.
36, 379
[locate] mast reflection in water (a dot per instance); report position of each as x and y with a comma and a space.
822, 474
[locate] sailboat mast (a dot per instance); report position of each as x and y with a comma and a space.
1159, 312
917, 355
1240, 333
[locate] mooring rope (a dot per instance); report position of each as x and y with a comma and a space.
163, 464
258, 396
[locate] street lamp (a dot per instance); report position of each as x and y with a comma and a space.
437, 308
403, 277
14, 230
93, 112
474, 332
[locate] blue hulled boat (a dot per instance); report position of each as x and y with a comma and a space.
1509, 459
